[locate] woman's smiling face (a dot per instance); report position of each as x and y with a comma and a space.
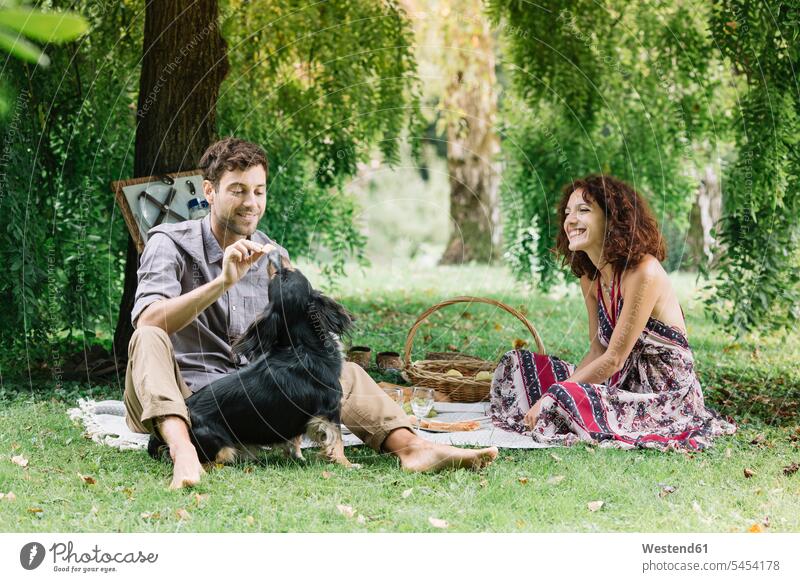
584, 224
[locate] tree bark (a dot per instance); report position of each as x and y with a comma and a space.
470, 105
184, 63
705, 215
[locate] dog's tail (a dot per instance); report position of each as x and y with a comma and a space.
156, 447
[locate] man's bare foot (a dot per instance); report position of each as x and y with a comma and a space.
416, 454
187, 469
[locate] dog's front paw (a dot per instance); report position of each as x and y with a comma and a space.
345, 463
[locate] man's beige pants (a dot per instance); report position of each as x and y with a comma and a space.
154, 388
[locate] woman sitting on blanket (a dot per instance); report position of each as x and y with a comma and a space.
637, 385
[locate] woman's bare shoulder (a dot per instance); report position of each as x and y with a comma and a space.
648, 273
648, 268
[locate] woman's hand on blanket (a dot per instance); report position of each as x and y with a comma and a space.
533, 414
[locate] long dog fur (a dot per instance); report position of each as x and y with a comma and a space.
290, 385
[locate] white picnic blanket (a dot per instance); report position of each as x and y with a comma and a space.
104, 423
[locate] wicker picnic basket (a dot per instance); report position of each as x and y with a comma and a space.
431, 373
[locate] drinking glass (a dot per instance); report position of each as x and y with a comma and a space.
421, 402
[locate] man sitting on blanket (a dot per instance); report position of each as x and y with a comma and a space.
201, 283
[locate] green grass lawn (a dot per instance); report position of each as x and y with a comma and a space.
755, 380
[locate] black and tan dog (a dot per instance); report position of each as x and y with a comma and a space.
290, 386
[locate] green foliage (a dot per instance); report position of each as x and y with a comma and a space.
318, 85
618, 87
16, 23
41, 26
759, 284
67, 135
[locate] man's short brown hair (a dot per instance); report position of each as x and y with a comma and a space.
231, 154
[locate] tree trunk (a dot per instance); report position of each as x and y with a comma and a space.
184, 63
703, 219
470, 107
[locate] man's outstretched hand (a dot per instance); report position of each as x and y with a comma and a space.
238, 259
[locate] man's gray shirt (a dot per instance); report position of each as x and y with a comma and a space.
181, 257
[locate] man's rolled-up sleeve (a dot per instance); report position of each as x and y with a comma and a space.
159, 274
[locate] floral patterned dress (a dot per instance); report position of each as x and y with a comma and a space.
655, 401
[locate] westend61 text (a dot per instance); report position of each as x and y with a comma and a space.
64, 553
670, 549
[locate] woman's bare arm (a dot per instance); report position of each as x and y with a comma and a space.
644, 284
596, 349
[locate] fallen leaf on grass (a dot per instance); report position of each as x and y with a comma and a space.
183, 514
791, 469
483, 483
748, 473
19, 460
150, 516
755, 528
759, 439
498, 327
361, 519
595, 505
765, 521
35, 510
440, 523
14, 446
127, 491
327, 474
666, 490
200, 498
555, 457
346, 510
523, 480
87, 479
8, 496
519, 344
555, 479
405, 494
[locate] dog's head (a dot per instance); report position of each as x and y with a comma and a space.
297, 315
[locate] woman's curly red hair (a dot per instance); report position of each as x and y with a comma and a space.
631, 229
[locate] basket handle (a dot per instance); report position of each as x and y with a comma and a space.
468, 299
